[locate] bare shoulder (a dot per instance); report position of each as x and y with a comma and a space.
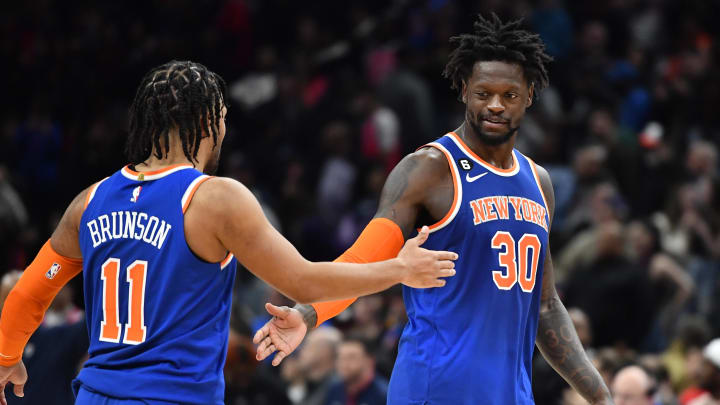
421, 168
220, 193
416, 183
219, 201
431, 160
222, 209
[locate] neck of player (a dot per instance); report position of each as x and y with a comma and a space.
499, 156
175, 155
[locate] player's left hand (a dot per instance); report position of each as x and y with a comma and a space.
16, 374
283, 333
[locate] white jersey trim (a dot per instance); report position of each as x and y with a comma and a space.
494, 170
227, 261
457, 188
191, 190
533, 168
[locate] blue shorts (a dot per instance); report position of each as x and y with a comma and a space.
85, 396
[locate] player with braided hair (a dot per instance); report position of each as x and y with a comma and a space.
179, 95
472, 341
156, 243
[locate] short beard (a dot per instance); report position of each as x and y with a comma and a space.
487, 139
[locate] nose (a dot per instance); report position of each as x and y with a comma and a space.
495, 106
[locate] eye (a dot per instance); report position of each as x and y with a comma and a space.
511, 96
482, 94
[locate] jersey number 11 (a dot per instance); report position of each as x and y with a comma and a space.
135, 330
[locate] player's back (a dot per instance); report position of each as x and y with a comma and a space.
157, 315
471, 342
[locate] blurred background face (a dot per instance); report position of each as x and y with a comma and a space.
694, 363
610, 239
640, 238
353, 363
317, 356
630, 387
582, 326
701, 158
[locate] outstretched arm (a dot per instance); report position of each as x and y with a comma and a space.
420, 181
237, 221
556, 336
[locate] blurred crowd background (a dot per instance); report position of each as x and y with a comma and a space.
325, 98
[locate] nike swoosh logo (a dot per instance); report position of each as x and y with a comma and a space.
7, 357
471, 179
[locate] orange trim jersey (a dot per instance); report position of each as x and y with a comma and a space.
157, 315
472, 341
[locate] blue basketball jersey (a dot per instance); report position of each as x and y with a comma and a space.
157, 315
472, 341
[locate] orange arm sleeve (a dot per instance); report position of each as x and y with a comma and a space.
26, 304
381, 240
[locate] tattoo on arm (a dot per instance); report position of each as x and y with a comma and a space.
556, 337
412, 187
309, 315
559, 344
397, 184
395, 187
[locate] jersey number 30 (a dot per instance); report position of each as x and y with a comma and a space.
135, 329
519, 268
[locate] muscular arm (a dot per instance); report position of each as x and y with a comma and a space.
420, 181
237, 221
556, 337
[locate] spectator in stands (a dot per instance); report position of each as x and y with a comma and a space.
314, 371
632, 385
710, 375
357, 383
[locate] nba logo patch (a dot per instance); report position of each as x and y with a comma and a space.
54, 269
136, 194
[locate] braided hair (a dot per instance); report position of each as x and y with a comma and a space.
180, 95
494, 40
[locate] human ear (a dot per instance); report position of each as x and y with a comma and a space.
531, 92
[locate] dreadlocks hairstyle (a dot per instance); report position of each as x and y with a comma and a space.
180, 94
495, 41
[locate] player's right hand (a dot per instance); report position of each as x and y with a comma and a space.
282, 334
16, 374
425, 268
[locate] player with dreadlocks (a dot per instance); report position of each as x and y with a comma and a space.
159, 107
156, 243
472, 341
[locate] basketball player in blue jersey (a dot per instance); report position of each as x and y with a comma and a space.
156, 243
472, 341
